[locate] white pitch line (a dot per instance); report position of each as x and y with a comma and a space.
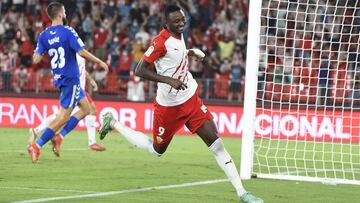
44, 189
100, 194
24, 150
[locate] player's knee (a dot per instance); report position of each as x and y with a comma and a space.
86, 110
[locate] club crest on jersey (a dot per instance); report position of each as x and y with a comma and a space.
149, 51
159, 139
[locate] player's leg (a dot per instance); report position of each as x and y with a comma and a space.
208, 134
34, 132
167, 121
139, 139
79, 100
84, 109
69, 97
201, 122
90, 121
164, 127
48, 134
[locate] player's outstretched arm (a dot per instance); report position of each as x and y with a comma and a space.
143, 70
91, 81
89, 56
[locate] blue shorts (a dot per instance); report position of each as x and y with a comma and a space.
71, 95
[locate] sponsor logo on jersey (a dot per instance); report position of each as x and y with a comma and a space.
203, 108
149, 51
57, 76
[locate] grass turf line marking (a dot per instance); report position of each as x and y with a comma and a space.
44, 189
100, 194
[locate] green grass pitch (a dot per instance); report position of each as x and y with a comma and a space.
79, 172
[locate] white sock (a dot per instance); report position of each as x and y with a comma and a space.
44, 124
90, 126
227, 165
139, 139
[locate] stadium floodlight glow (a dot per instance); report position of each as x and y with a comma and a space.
302, 92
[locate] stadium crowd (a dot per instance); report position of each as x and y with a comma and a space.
119, 32
310, 52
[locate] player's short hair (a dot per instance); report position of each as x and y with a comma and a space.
170, 9
53, 9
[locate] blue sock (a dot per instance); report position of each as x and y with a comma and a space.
45, 137
70, 125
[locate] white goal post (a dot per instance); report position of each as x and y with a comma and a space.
302, 91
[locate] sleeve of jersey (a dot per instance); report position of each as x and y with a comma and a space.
75, 42
40, 48
156, 50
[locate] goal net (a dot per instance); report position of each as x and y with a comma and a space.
306, 118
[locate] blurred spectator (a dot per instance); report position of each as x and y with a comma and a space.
27, 50
355, 92
196, 37
124, 68
7, 64
213, 65
225, 67
19, 4
226, 47
86, 26
153, 23
114, 53
236, 73
101, 35
195, 68
110, 8
323, 83
139, 47
137, 14
279, 76
121, 30
125, 58
134, 28
135, 91
143, 36
31, 6
124, 12
21, 78
99, 76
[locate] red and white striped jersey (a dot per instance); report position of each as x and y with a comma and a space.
169, 54
82, 70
